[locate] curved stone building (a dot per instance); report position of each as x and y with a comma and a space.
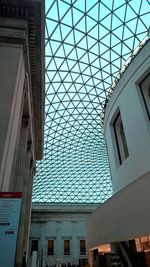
121, 224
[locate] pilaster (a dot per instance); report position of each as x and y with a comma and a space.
11, 90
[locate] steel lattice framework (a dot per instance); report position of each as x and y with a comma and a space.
87, 43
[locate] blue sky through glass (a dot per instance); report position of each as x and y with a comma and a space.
86, 45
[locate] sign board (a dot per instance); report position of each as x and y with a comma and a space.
10, 205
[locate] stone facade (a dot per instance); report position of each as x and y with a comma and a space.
59, 223
21, 103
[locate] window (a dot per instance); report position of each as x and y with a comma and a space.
120, 138
50, 248
82, 247
66, 247
145, 91
34, 245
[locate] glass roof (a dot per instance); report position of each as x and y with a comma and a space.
87, 43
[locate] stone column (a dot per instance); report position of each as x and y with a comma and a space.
90, 258
19, 183
12, 72
28, 197
75, 243
29, 204
26, 188
19, 172
18, 152
59, 241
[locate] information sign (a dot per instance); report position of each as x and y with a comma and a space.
10, 205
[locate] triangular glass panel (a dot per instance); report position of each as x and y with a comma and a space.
64, 9
60, 52
80, 52
53, 25
141, 24
90, 23
52, 11
144, 8
78, 36
48, 50
65, 31
94, 33
81, 26
70, 39
91, 43
132, 24
56, 35
53, 66
80, 5
132, 12
104, 12
77, 15
68, 49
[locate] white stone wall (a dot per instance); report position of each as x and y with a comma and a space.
126, 214
122, 217
59, 224
12, 73
127, 98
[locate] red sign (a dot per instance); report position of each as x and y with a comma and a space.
10, 194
